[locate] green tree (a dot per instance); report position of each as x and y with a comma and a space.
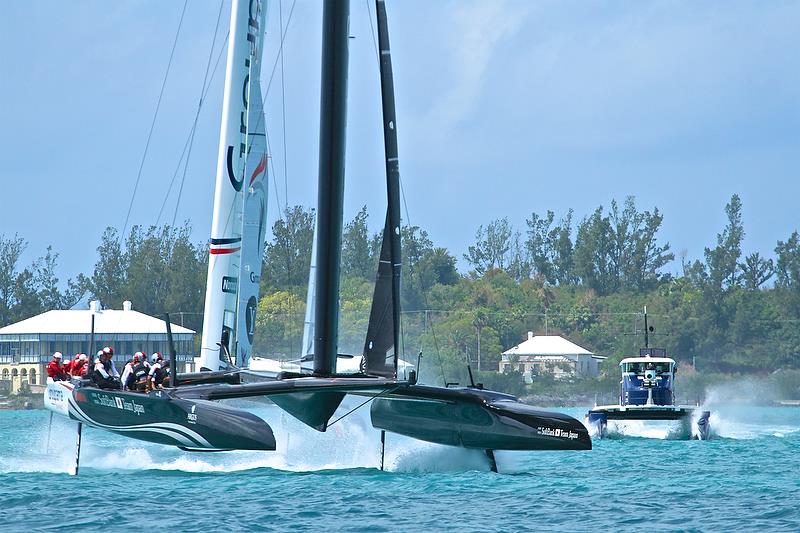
287, 257
492, 248
756, 271
10, 251
358, 258
722, 261
108, 277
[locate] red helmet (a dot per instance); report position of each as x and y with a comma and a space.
108, 350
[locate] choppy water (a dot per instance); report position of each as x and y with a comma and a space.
748, 478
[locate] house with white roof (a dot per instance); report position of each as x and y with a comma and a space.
550, 354
27, 346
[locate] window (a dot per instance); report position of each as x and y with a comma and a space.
33, 376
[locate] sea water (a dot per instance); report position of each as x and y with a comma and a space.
642, 478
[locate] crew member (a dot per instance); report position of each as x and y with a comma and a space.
102, 377
56, 370
155, 375
138, 377
127, 372
109, 362
80, 365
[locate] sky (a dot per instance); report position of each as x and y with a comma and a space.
504, 108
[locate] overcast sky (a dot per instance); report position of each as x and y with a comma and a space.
504, 108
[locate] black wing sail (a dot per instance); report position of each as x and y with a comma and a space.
379, 348
383, 333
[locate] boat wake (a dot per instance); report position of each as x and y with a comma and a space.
349, 444
727, 422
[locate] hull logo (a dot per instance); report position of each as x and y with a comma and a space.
230, 284
558, 432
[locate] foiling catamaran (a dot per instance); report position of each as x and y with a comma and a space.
187, 414
646, 393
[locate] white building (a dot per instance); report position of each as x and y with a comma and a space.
27, 346
550, 354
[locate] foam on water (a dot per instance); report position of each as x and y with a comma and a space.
349, 444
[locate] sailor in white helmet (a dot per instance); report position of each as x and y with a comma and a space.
55, 370
155, 370
102, 376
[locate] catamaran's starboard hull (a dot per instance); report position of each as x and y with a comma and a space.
159, 418
472, 418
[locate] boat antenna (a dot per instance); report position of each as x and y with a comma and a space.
333, 120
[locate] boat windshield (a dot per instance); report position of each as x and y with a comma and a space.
640, 367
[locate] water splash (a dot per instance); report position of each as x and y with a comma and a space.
350, 444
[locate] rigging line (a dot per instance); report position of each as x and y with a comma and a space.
372, 28
272, 174
283, 32
424, 294
283, 113
191, 131
285, 158
206, 82
155, 116
365, 402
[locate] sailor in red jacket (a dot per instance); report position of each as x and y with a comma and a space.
79, 365
55, 370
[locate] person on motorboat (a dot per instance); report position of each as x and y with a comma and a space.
56, 370
105, 375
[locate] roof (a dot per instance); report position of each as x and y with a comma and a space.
547, 345
645, 359
108, 321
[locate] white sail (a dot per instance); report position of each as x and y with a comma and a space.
219, 325
255, 215
308, 325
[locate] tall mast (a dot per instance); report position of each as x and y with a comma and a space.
219, 323
333, 120
392, 167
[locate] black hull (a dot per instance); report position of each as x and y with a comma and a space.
474, 418
158, 417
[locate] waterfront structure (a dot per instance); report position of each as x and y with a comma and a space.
27, 346
550, 354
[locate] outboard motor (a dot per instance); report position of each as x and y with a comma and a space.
703, 426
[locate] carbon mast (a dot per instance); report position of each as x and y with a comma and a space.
333, 121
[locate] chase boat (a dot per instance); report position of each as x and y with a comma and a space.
647, 393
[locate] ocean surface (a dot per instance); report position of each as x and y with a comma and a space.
643, 477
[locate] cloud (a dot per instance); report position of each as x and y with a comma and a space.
470, 42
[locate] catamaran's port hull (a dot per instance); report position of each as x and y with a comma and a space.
599, 416
159, 418
471, 418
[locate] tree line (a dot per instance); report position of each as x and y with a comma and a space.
587, 279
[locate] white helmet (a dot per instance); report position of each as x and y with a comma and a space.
82, 357
57, 355
155, 357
